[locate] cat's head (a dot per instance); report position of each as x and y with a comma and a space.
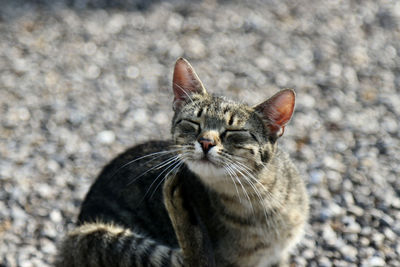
221, 138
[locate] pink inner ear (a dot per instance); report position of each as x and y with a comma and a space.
278, 110
185, 81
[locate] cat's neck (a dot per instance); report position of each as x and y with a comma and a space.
241, 190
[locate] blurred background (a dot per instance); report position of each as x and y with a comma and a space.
82, 80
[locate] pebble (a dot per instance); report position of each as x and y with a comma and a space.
316, 176
357, 211
93, 72
324, 262
55, 216
378, 239
350, 225
132, 72
106, 137
376, 261
196, 48
349, 253
140, 116
329, 235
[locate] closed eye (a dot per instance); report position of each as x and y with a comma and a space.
238, 136
188, 125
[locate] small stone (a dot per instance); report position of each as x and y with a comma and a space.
386, 220
389, 234
355, 210
334, 164
196, 48
26, 263
47, 246
53, 166
390, 125
376, 261
44, 190
140, 116
340, 263
378, 239
335, 209
90, 48
364, 241
175, 51
348, 198
55, 216
316, 176
263, 63
395, 202
132, 72
175, 22
350, 225
300, 261
366, 231
335, 114
49, 230
106, 137
23, 114
329, 234
308, 254
115, 23
324, 262
307, 100
93, 72
335, 70
161, 118
349, 253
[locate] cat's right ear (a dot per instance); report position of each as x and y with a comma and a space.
185, 83
277, 111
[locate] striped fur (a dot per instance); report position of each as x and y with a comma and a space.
99, 244
221, 193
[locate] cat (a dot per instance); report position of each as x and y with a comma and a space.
220, 193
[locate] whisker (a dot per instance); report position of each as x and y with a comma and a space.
159, 154
255, 189
247, 177
177, 166
252, 176
154, 167
233, 181
243, 188
171, 164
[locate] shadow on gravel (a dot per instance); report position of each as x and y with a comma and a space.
126, 5
10, 10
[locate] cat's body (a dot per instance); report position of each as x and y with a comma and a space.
220, 194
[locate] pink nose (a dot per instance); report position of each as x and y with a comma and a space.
206, 144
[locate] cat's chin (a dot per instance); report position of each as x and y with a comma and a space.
207, 171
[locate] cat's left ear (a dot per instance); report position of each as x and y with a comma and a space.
277, 111
185, 83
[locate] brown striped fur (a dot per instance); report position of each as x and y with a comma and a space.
221, 193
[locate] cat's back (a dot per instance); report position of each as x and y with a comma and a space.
128, 192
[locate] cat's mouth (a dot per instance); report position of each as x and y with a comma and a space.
204, 158
207, 159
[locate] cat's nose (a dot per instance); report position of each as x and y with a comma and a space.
206, 144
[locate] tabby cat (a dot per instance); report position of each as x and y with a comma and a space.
221, 193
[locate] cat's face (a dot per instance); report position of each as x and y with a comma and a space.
221, 139
218, 137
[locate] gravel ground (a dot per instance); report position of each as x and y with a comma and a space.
82, 80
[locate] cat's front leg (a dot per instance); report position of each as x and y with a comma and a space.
189, 228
